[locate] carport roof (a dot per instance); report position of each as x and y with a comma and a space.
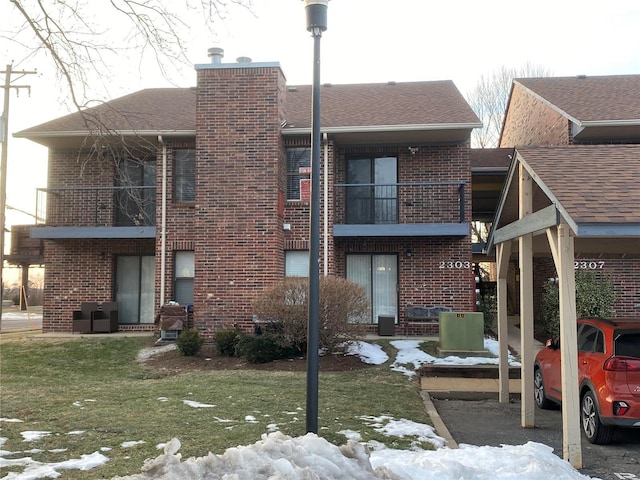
592, 187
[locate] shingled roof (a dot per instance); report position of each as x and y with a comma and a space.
594, 187
613, 98
414, 106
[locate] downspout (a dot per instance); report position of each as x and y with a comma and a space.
326, 203
163, 221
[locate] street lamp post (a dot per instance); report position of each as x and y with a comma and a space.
316, 11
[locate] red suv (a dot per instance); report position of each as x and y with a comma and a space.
608, 376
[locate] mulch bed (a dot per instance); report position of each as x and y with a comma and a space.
208, 359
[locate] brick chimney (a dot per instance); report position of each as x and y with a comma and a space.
240, 180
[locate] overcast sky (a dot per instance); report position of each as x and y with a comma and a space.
366, 41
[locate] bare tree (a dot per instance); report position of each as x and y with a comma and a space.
489, 100
85, 39
78, 36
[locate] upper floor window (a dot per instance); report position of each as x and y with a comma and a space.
298, 169
184, 174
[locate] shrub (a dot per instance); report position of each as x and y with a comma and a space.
262, 348
189, 342
594, 298
488, 305
343, 311
226, 341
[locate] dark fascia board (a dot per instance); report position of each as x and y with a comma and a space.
540, 220
608, 230
403, 230
93, 232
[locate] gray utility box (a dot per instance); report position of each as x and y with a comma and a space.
386, 326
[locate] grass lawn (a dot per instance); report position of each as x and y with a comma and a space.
96, 386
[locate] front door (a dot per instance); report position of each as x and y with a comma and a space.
135, 281
378, 274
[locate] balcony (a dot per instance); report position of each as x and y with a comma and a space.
400, 210
95, 212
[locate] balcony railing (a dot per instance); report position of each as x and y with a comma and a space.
400, 203
96, 206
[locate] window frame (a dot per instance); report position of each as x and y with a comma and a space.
189, 278
182, 179
294, 177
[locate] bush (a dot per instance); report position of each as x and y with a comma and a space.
343, 311
189, 342
226, 341
594, 298
262, 348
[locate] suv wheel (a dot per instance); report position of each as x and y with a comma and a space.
592, 427
538, 390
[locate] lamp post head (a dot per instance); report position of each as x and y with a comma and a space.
316, 15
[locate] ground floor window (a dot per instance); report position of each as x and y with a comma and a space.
135, 288
183, 278
378, 274
296, 263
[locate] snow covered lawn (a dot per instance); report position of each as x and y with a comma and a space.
278, 457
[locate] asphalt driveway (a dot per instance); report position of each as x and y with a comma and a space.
488, 422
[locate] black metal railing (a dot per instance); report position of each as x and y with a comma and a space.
400, 203
96, 206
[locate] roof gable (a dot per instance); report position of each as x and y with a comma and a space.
584, 99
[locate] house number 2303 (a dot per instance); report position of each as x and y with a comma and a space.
452, 264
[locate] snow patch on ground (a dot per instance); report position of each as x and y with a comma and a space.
147, 353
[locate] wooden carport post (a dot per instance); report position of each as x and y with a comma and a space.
527, 412
503, 253
562, 249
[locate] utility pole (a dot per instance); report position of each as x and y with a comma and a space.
4, 137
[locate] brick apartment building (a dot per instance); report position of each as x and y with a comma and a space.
201, 196
579, 137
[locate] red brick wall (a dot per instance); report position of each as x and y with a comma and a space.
529, 121
625, 273
82, 271
239, 237
439, 270
180, 223
297, 213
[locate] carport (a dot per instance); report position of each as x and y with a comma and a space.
562, 202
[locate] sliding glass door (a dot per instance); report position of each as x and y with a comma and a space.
135, 287
376, 201
378, 274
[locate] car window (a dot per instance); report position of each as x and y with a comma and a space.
599, 344
587, 337
628, 345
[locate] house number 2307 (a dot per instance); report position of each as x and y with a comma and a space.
454, 264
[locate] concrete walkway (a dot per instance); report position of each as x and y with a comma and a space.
457, 387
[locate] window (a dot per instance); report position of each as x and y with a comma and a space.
376, 201
378, 274
590, 339
184, 273
184, 175
296, 263
298, 164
